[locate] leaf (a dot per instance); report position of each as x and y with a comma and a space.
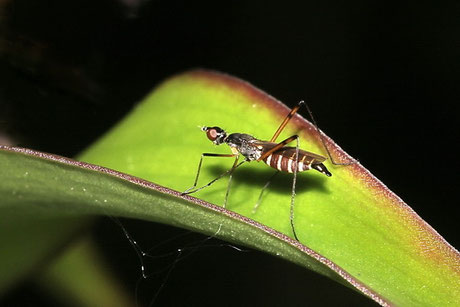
80, 276
78, 189
356, 230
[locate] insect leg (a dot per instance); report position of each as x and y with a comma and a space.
235, 165
286, 120
291, 114
321, 136
262, 192
189, 190
278, 146
294, 180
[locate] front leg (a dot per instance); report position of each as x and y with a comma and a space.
192, 188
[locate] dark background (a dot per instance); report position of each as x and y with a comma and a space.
382, 80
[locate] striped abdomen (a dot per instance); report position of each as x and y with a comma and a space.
284, 161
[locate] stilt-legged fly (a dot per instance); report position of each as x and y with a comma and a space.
276, 155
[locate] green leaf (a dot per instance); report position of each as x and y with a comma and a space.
356, 230
56, 187
80, 276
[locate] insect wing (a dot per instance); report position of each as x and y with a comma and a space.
289, 151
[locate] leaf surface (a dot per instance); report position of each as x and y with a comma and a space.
356, 230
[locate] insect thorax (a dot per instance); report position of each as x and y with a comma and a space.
244, 143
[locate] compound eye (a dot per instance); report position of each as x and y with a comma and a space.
212, 134
215, 134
